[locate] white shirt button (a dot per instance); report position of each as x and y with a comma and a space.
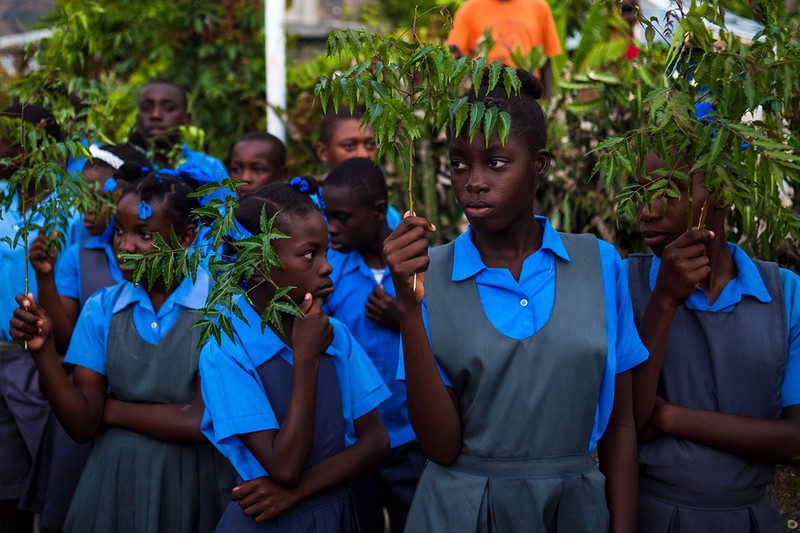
154, 325
523, 302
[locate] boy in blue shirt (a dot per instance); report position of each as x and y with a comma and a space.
355, 199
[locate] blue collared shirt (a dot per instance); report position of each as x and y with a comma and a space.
519, 309
90, 337
234, 394
68, 273
748, 283
353, 282
12, 260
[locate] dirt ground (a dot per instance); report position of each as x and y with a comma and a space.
787, 494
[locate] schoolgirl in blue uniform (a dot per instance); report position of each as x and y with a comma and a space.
719, 398
355, 197
136, 389
294, 411
83, 268
517, 361
23, 407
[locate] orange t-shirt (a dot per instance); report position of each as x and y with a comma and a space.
514, 24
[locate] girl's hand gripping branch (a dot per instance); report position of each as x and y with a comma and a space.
406, 252
30, 323
42, 258
684, 266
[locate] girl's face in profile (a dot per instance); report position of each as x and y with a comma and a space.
305, 264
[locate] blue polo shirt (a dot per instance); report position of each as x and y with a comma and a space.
748, 283
68, 273
12, 259
353, 282
90, 337
519, 309
234, 394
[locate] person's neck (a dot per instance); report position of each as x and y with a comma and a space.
510, 247
372, 253
723, 267
160, 293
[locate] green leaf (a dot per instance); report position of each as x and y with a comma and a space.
476, 111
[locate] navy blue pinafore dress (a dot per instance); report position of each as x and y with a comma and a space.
527, 407
332, 511
726, 362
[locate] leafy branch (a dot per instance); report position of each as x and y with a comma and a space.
400, 80
721, 107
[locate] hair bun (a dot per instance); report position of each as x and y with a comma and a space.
529, 84
305, 184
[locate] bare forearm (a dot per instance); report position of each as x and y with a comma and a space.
76, 414
287, 457
50, 300
431, 406
776, 441
366, 454
168, 422
654, 332
618, 460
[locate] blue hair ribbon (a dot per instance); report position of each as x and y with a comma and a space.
145, 210
110, 185
299, 184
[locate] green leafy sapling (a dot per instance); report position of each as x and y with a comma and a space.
720, 106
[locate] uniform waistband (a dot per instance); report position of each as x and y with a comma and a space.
536, 467
695, 499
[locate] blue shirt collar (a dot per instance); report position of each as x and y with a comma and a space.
261, 347
747, 282
469, 258
96, 243
189, 295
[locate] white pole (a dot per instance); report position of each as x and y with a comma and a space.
275, 50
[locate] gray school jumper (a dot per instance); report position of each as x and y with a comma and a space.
527, 407
726, 362
137, 484
331, 511
94, 271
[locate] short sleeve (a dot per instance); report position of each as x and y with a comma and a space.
401, 369
790, 391
366, 387
461, 34
550, 40
68, 273
630, 351
87, 347
233, 393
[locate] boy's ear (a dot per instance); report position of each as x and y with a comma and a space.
187, 121
542, 162
379, 210
322, 152
188, 235
283, 172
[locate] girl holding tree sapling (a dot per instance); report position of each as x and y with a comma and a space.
719, 398
136, 386
517, 346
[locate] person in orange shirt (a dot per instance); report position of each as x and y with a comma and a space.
514, 25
